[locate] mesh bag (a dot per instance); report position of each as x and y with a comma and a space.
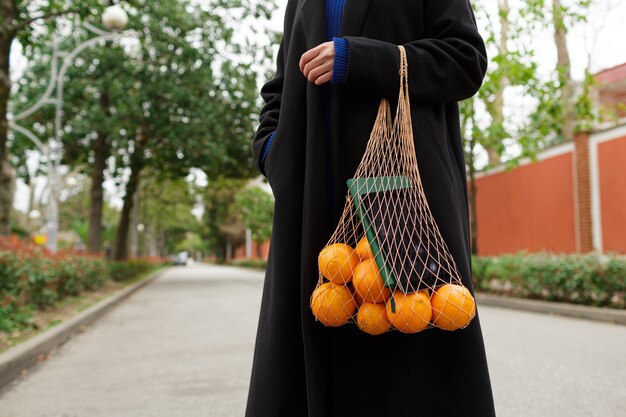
386, 266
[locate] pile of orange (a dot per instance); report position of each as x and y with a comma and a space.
354, 285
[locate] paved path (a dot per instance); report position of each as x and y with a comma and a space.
182, 346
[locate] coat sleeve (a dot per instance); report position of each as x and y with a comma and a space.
271, 92
447, 65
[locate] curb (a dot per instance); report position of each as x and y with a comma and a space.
605, 314
27, 353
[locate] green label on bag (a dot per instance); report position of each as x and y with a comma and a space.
359, 187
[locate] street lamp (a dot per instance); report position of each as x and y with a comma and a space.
115, 19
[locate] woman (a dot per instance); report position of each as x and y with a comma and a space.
336, 60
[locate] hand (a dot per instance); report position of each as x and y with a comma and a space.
317, 63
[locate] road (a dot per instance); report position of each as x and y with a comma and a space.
182, 346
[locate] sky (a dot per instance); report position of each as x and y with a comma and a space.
602, 39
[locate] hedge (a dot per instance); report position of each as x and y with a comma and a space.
249, 263
31, 278
589, 279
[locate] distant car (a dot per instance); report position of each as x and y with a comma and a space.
181, 258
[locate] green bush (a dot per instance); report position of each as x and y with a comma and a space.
123, 271
249, 263
12, 277
31, 278
589, 279
13, 317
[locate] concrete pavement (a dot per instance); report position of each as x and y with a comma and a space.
551, 366
182, 346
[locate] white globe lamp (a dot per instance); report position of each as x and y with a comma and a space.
114, 18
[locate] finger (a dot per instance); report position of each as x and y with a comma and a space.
309, 55
324, 78
319, 60
315, 73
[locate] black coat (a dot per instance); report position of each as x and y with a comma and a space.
300, 367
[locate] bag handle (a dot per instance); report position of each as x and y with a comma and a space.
385, 125
403, 113
404, 68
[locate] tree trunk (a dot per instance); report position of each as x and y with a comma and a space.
152, 241
162, 247
497, 110
121, 239
564, 70
101, 154
471, 164
134, 221
7, 11
31, 203
259, 249
472, 198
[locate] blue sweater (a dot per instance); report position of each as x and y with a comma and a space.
334, 11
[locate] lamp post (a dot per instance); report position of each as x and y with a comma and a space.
114, 19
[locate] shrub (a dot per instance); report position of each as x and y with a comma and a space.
249, 263
32, 278
123, 271
590, 279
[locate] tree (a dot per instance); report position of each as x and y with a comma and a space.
165, 211
220, 224
185, 97
485, 126
514, 68
192, 243
192, 107
255, 208
91, 131
18, 18
500, 79
558, 109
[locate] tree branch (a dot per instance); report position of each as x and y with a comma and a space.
21, 25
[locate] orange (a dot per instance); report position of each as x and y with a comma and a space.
333, 304
412, 313
357, 297
363, 249
372, 318
368, 282
337, 262
453, 307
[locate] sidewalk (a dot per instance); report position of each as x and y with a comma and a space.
181, 346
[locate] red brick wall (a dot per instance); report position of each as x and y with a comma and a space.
258, 251
612, 186
528, 208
